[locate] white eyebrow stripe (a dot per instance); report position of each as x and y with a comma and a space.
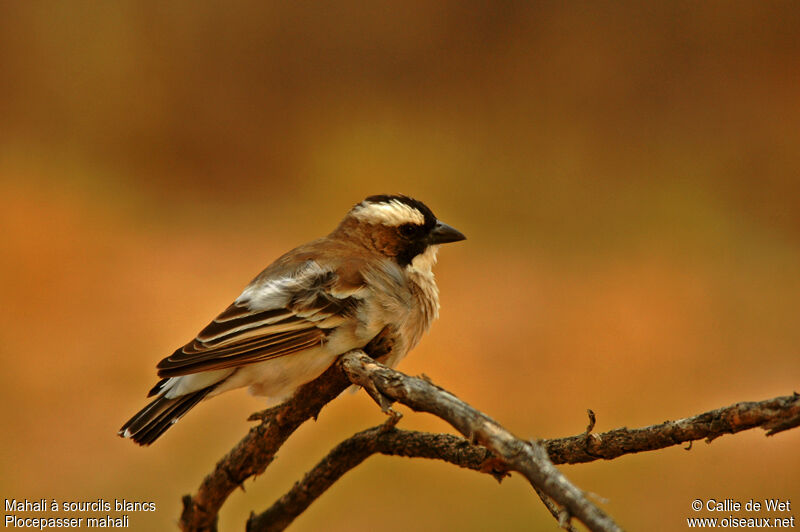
392, 212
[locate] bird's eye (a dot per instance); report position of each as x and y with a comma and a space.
409, 230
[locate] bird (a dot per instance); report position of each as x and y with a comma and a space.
372, 276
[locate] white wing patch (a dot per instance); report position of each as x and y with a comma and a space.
392, 213
275, 293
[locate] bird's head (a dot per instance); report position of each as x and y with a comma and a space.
399, 227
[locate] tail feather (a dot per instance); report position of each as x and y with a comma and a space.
153, 420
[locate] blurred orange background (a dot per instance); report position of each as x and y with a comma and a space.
628, 176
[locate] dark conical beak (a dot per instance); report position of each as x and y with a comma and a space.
443, 233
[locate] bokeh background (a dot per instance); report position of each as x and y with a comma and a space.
628, 175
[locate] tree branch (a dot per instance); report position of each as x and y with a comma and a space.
377, 440
500, 452
257, 449
526, 457
779, 413
772, 415
354, 450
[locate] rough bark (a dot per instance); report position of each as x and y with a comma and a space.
487, 447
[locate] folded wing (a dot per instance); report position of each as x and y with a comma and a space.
276, 315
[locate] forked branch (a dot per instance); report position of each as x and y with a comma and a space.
257, 449
488, 447
526, 457
772, 415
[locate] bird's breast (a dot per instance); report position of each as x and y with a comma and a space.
407, 300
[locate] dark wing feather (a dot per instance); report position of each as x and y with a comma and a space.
274, 317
